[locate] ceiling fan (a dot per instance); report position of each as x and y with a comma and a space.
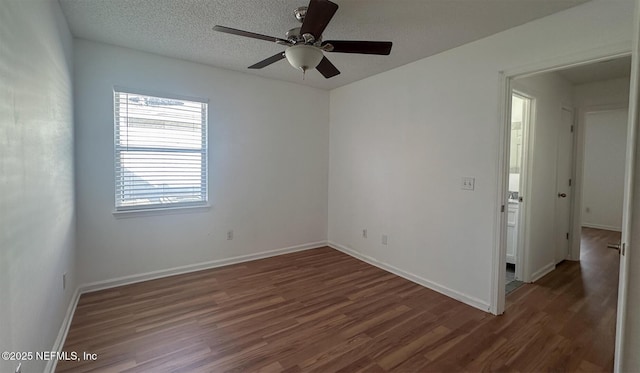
304, 44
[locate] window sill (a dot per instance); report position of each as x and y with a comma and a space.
124, 214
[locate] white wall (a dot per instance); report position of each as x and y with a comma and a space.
268, 168
591, 96
603, 170
37, 217
401, 141
550, 93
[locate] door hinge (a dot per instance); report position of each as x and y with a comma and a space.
502, 208
571, 128
569, 182
567, 235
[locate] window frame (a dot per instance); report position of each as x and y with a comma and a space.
162, 208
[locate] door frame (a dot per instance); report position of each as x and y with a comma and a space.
580, 132
506, 77
497, 304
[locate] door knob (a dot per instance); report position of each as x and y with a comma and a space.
612, 245
562, 195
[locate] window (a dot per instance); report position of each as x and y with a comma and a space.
160, 151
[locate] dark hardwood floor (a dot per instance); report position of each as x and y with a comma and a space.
323, 311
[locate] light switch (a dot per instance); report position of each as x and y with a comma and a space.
468, 183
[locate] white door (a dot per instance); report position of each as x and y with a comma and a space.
627, 335
563, 185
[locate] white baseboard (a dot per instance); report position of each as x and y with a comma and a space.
537, 275
600, 226
464, 298
126, 280
64, 329
132, 279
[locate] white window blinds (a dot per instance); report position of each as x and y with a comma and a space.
160, 152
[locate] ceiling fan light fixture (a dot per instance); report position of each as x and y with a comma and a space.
305, 46
304, 57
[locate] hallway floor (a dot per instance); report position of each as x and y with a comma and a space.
572, 310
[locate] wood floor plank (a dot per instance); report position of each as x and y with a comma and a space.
323, 311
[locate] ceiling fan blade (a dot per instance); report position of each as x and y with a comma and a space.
248, 34
326, 68
268, 61
362, 47
319, 13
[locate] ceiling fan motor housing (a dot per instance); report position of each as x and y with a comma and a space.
295, 37
293, 34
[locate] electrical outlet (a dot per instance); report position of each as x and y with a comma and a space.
385, 239
19, 368
364, 233
468, 183
230, 234
64, 281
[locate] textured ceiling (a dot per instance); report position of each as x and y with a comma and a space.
183, 29
594, 72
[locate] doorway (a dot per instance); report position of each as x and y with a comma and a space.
543, 195
603, 156
555, 212
521, 109
602, 177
